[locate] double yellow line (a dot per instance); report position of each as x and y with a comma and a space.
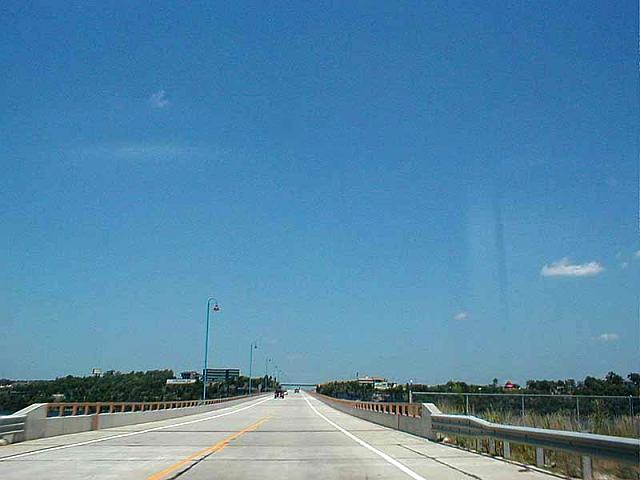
207, 451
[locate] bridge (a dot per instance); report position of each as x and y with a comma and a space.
303, 436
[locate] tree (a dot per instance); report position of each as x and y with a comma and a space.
635, 379
614, 379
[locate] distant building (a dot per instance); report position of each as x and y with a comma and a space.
58, 397
191, 375
383, 385
509, 385
180, 381
221, 374
378, 383
96, 372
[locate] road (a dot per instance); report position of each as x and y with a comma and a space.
298, 437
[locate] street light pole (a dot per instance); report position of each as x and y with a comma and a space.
266, 373
216, 308
253, 345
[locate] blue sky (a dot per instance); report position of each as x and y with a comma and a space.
426, 190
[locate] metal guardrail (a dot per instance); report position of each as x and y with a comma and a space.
12, 424
586, 445
65, 409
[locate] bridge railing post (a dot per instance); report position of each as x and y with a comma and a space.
428, 409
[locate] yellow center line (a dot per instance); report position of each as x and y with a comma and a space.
213, 448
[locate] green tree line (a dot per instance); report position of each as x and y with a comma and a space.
612, 384
117, 387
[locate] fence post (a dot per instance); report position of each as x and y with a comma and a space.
522, 402
578, 409
587, 468
507, 449
539, 457
466, 404
492, 446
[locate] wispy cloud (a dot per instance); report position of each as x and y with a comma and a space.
624, 264
608, 337
637, 254
295, 356
159, 99
461, 316
146, 150
142, 151
563, 268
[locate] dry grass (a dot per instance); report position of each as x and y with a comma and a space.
560, 462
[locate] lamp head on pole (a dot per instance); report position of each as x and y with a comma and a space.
216, 307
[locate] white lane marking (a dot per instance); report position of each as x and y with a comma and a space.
140, 432
383, 455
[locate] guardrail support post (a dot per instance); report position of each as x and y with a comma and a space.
587, 468
492, 446
506, 447
539, 457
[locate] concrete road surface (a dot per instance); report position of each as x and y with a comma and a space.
298, 437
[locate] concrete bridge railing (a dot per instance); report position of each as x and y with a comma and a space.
426, 420
42, 420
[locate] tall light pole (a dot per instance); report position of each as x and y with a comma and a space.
411, 390
266, 372
216, 308
254, 345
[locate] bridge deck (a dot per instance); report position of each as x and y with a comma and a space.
298, 437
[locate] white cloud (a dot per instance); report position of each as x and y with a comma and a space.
562, 268
608, 337
461, 316
159, 99
637, 254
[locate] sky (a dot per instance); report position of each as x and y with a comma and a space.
418, 190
